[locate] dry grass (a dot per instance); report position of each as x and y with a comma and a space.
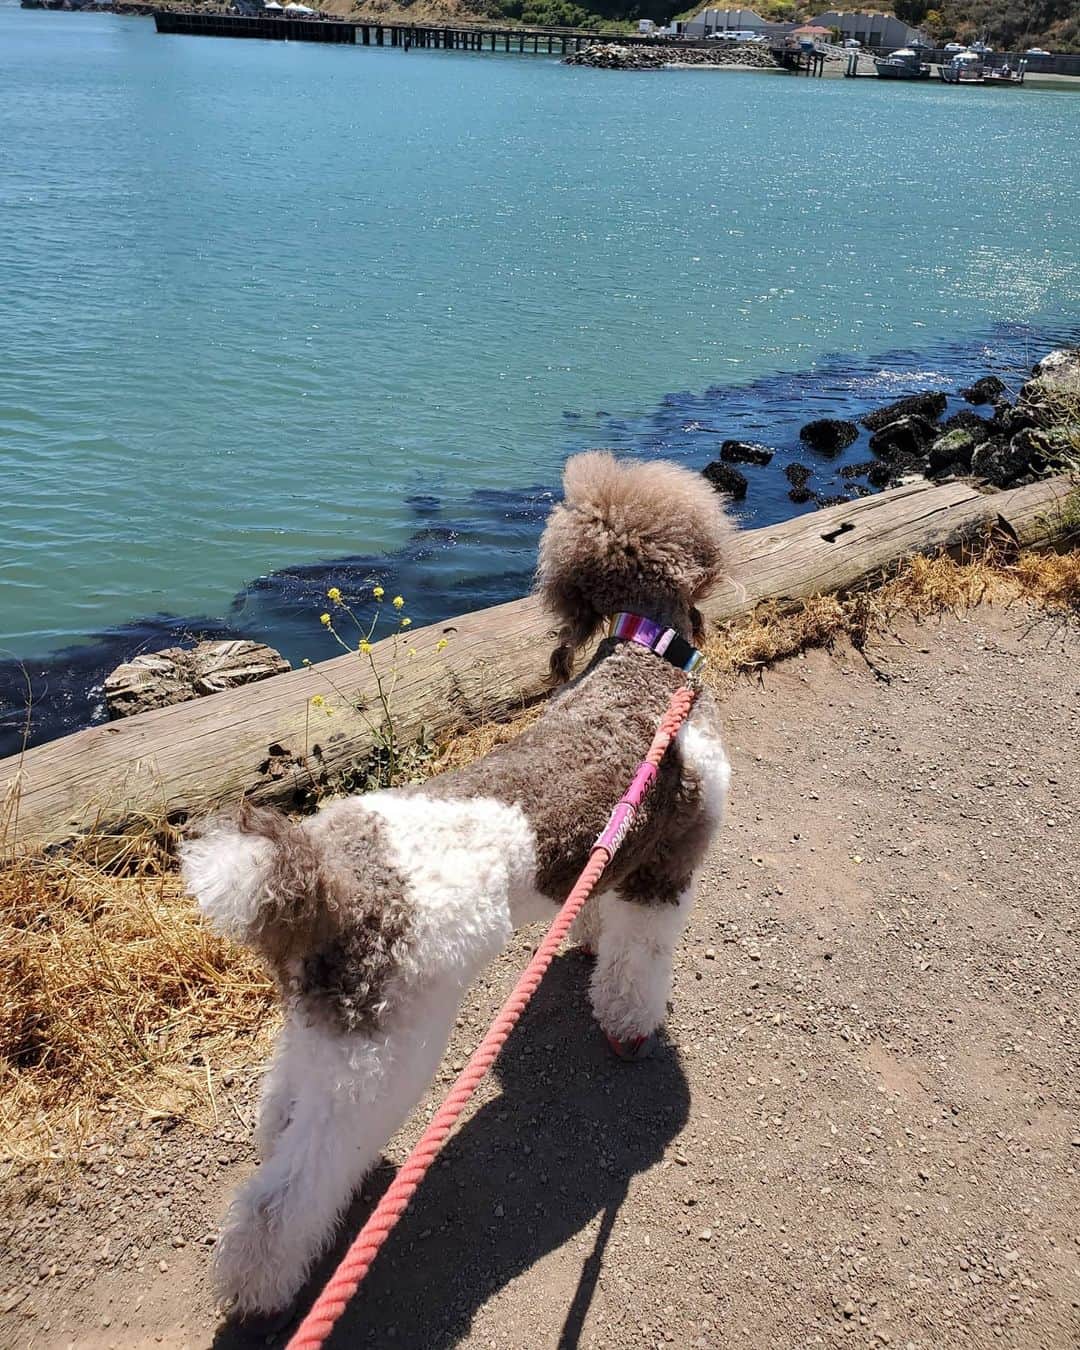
112, 991
925, 587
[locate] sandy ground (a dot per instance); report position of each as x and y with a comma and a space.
860, 1130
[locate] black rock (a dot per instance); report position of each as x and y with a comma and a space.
953, 449
999, 462
800, 495
966, 420
797, 474
908, 437
860, 470
879, 476
839, 500
1039, 450
986, 390
745, 452
726, 479
1009, 419
828, 435
929, 405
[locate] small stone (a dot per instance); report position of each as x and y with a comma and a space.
710, 953
726, 479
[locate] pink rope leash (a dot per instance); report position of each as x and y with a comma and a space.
331, 1303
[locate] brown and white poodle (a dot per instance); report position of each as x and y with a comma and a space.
376, 913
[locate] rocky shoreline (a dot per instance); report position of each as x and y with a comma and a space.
614, 56
1013, 442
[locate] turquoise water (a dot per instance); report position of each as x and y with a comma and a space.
265, 306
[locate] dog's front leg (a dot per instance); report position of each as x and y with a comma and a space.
632, 979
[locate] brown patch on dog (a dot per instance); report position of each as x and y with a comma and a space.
346, 977
568, 770
298, 899
648, 538
333, 918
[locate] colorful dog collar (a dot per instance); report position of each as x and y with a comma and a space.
664, 642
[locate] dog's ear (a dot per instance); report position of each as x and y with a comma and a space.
571, 637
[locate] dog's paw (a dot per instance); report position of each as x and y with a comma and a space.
255, 1273
633, 1048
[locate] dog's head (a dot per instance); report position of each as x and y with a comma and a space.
649, 538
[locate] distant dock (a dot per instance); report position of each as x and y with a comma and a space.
432, 36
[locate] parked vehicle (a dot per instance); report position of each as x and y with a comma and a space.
953, 47
853, 44
1037, 51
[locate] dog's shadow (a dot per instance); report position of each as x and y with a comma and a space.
559, 1146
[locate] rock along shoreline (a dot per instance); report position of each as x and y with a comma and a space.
665, 56
1009, 442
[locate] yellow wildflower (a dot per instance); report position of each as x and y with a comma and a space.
317, 700
365, 647
334, 594
442, 644
324, 619
377, 592
398, 601
405, 622
412, 651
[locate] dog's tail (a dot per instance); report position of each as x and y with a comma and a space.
259, 879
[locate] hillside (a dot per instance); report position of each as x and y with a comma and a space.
1054, 24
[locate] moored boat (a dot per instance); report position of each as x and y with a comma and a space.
903, 64
969, 67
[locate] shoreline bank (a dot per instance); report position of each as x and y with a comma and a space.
279, 608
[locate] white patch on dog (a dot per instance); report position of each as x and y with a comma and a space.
471, 868
226, 871
703, 753
632, 979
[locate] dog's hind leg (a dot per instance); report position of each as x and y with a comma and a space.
278, 1093
632, 979
351, 1094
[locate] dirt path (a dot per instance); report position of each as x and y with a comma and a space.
863, 1129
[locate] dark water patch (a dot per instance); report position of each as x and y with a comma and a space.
480, 549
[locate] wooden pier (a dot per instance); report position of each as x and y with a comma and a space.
800, 62
253, 26
438, 37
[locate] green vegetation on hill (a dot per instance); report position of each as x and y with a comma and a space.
566, 14
1008, 25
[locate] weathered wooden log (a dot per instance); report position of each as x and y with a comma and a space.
269, 741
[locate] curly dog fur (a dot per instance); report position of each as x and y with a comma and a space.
376, 913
